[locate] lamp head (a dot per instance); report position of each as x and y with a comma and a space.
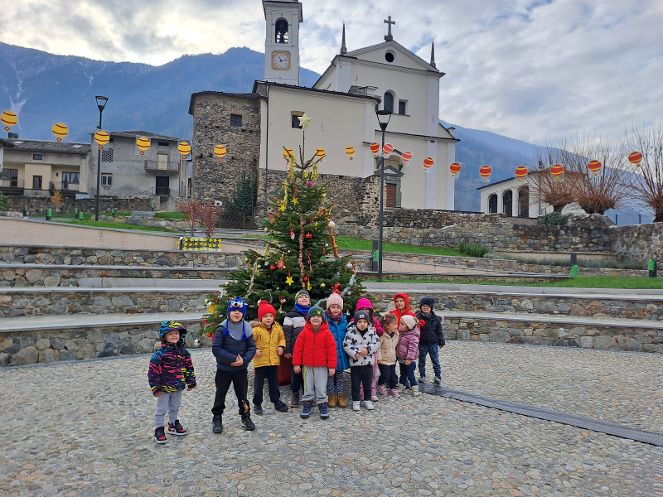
384, 116
101, 102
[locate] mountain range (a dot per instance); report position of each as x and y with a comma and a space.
43, 89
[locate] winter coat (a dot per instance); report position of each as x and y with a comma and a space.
355, 341
315, 348
171, 369
431, 329
267, 341
388, 345
293, 324
408, 345
405, 311
338, 329
226, 349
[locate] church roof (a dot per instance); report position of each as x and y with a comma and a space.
315, 90
394, 44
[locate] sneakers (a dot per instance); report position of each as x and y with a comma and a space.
217, 424
307, 407
176, 429
382, 389
374, 398
341, 401
395, 393
437, 380
257, 408
279, 406
294, 399
369, 405
332, 400
323, 409
356, 405
159, 435
416, 392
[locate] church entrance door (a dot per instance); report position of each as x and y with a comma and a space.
391, 195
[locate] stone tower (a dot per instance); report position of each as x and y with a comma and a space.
282, 20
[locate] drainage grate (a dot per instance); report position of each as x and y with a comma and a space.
608, 428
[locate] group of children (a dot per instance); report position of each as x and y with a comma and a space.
321, 345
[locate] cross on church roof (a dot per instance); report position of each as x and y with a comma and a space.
389, 22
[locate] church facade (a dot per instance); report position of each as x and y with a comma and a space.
342, 106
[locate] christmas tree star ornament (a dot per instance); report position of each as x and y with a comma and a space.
289, 281
304, 121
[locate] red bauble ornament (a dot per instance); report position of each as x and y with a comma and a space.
308, 236
272, 267
336, 287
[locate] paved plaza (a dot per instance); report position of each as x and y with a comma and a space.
85, 429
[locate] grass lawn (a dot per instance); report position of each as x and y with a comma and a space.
175, 215
109, 224
349, 243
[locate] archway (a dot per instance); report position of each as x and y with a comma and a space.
507, 203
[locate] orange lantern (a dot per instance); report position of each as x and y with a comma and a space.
220, 151
388, 148
102, 138
557, 170
143, 144
429, 162
375, 148
407, 156
595, 167
521, 173
635, 158
320, 153
9, 119
184, 148
349, 152
485, 171
455, 169
60, 130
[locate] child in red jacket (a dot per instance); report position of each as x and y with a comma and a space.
315, 349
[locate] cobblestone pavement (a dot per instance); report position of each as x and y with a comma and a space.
85, 429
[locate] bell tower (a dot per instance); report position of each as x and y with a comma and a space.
282, 20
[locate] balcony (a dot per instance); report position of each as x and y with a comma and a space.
153, 166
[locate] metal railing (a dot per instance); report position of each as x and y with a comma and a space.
161, 167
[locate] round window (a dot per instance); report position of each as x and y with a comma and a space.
389, 56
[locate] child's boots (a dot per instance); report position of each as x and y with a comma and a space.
323, 409
246, 418
307, 407
395, 393
280, 406
294, 399
340, 400
332, 400
159, 435
217, 424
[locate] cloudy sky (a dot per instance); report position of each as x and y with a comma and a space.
537, 70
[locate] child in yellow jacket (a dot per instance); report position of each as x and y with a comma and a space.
270, 345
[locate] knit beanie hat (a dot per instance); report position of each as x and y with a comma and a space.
363, 314
427, 301
167, 326
315, 311
300, 293
409, 321
265, 307
334, 298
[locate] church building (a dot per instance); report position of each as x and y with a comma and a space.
342, 107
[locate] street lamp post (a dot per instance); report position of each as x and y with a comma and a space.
101, 103
383, 118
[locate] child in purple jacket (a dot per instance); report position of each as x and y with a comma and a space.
407, 352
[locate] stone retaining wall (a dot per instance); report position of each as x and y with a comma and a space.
639, 242
42, 204
91, 256
128, 301
20, 348
537, 333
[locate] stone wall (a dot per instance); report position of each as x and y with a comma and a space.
90, 256
214, 180
41, 204
638, 242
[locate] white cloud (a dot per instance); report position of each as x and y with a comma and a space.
530, 69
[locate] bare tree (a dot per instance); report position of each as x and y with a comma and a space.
554, 190
646, 179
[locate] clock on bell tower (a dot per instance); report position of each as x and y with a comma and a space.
282, 19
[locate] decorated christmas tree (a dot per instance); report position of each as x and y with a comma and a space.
301, 251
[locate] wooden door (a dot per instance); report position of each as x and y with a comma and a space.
391, 195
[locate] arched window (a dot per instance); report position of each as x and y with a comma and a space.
281, 31
523, 202
388, 101
492, 204
507, 203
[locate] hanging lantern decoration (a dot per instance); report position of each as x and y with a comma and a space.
388, 148
485, 171
60, 131
455, 169
143, 144
349, 152
320, 153
428, 163
220, 152
521, 173
375, 148
635, 158
594, 167
184, 148
101, 138
407, 156
9, 119
557, 170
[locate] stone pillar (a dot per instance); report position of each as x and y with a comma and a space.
500, 202
515, 202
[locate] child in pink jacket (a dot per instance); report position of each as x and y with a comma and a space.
407, 352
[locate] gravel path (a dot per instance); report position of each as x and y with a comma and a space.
84, 429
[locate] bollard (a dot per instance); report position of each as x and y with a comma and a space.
574, 271
49, 214
375, 255
651, 267
574, 258
81, 215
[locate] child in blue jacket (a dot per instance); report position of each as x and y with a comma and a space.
338, 325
